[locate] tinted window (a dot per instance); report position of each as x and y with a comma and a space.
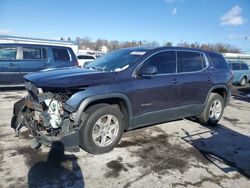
190, 61
8, 53
244, 66
165, 62
236, 66
61, 54
218, 61
85, 57
32, 53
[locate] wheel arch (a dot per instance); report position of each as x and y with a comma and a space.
245, 76
221, 90
112, 98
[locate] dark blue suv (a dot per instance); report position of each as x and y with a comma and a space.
16, 60
123, 90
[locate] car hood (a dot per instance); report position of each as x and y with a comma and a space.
69, 77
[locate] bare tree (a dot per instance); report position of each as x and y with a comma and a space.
168, 44
86, 42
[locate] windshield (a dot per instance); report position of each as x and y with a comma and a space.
116, 61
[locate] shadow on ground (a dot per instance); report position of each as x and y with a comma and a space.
14, 88
241, 93
59, 170
224, 147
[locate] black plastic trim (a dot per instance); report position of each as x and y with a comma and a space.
87, 101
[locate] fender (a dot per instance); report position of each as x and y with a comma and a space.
88, 100
220, 86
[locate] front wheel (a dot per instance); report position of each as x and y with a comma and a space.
102, 129
213, 110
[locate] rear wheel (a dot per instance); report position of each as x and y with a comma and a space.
243, 81
213, 110
102, 129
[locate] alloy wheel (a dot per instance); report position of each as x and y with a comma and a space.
105, 130
215, 109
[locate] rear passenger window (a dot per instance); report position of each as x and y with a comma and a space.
165, 62
244, 67
218, 61
190, 61
32, 53
60, 54
8, 53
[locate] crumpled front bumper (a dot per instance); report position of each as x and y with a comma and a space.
70, 139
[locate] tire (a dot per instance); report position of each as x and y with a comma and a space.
213, 110
106, 123
243, 81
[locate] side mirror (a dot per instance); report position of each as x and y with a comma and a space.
147, 70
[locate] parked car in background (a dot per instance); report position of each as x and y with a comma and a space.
240, 71
123, 90
84, 59
16, 60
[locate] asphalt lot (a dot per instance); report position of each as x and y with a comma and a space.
176, 154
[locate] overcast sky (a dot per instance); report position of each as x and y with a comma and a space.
203, 21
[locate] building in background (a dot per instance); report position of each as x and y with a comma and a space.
26, 40
237, 57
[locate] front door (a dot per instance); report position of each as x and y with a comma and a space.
157, 93
9, 74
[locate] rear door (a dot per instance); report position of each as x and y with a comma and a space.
9, 73
197, 79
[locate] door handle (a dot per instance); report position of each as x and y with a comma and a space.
209, 79
175, 81
12, 64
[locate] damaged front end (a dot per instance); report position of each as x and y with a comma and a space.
47, 118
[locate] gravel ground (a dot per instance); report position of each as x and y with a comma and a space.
182, 153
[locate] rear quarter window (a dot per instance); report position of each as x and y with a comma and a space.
218, 61
244, 66
61, 54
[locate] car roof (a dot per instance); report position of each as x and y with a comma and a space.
38, 45
155, 49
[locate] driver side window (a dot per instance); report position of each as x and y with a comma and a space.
164, 62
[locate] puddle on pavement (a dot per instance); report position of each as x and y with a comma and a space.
116, 166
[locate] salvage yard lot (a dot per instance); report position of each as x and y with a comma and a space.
177, 154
